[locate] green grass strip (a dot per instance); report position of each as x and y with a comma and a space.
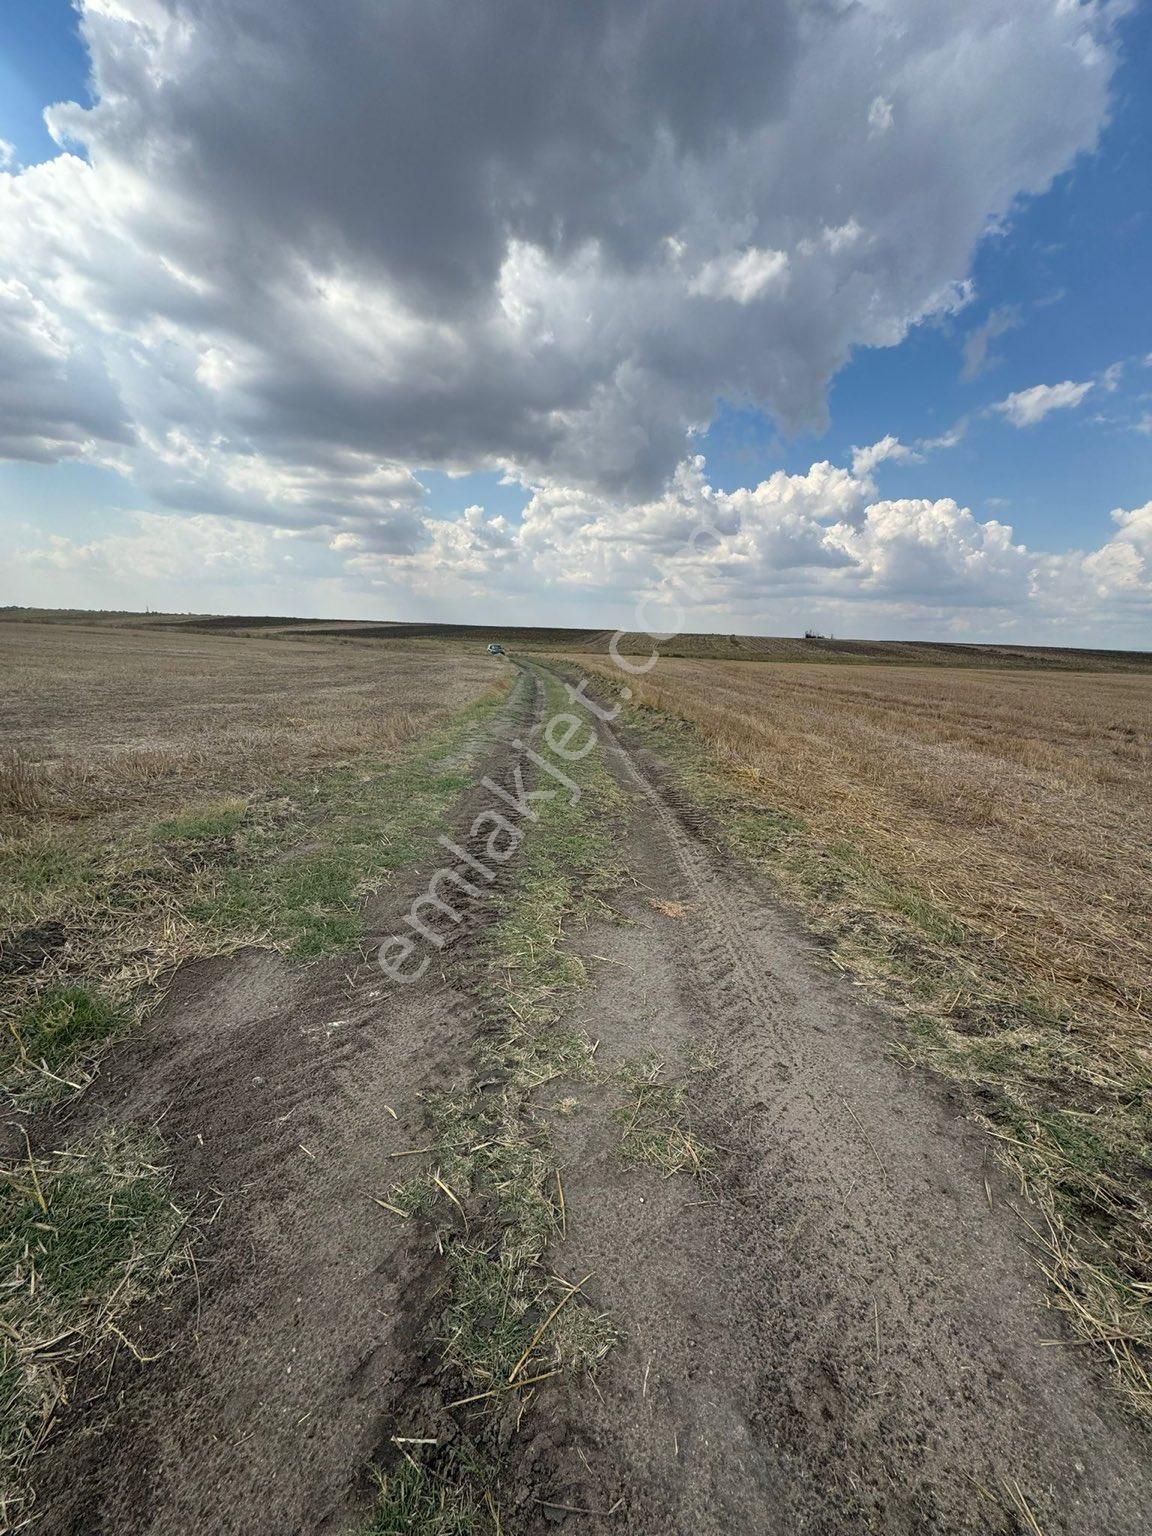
83, 1234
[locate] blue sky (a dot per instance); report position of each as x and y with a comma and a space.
42, 60
1065, 274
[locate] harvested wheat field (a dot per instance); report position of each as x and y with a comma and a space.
744, 1130
1016, 801
101, 714
138, 765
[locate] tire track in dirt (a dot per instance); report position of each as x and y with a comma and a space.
842, 1337
850, 1337
306, 1336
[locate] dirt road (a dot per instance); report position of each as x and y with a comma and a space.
839, 1330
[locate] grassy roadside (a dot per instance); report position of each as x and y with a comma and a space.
493, 1187
83, 1235
1070, 1108
96, 923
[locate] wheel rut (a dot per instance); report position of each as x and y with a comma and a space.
846, 1331
284, 1091
837, 1331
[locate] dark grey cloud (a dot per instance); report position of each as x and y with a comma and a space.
419, 136
55, 396
529, 233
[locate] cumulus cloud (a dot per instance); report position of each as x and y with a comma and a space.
865, 460
1122, 568
545, 236
817, 533
742, 277
293, 254
936, 551
1028, 406
821, 533
767, 557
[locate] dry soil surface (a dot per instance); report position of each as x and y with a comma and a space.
844, 1331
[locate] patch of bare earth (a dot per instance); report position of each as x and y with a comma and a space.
829, 1318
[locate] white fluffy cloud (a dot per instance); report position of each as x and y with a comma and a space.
744, 276
819, 546
1122, 568
865, 460
763, 553
1028, 406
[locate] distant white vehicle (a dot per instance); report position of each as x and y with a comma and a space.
495, 650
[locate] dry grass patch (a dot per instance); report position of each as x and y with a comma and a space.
415, 1498
22, 785
657, 1127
